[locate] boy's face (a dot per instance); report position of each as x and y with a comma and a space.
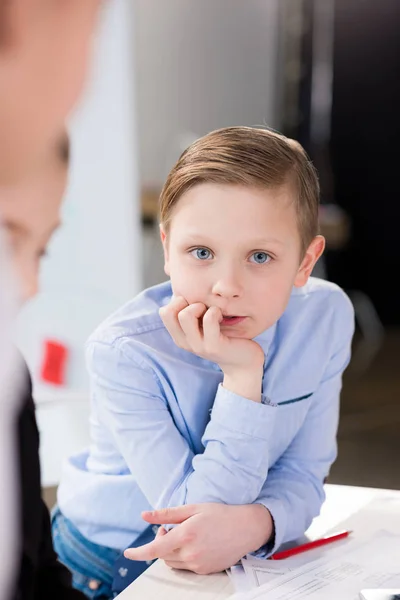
239, 249
30, 212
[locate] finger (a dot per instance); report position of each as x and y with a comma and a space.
169, 316
172, 309
162, 546
189, 319
160, 532
176, 304
175, 556
172, 515
211, 327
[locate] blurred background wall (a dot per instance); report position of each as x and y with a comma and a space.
201, 66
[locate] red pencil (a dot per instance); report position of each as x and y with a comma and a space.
310, 545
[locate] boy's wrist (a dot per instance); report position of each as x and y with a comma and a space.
247, 383
265, 532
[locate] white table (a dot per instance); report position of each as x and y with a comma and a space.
160, 582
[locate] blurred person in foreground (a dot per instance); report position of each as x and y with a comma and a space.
30, 214
8, 408
44, 49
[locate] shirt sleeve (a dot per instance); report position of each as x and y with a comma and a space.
129, 400
293, 491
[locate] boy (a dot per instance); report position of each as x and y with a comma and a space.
30, 213
219, 390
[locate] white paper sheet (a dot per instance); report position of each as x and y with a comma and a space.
238, 576
373, 563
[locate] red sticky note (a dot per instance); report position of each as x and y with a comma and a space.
54, 362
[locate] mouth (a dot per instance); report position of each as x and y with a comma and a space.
231, 320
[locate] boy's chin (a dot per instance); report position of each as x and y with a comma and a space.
231, 333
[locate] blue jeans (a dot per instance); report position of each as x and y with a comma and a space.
91, 565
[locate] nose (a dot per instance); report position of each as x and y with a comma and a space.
228, 284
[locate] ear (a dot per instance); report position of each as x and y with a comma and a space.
313, 252
164, 241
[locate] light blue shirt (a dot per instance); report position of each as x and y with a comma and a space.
165, 432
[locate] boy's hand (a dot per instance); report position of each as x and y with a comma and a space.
197, 329
209, 538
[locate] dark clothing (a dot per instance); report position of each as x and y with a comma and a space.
40, 575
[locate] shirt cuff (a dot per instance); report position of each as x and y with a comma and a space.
279, 518
243, 415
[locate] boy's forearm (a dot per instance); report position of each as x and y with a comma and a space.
293, 500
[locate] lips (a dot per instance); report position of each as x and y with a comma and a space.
232, 320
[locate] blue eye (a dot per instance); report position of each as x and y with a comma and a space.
201, 253
260, 258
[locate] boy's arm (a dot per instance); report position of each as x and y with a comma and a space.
293, 491
129, 400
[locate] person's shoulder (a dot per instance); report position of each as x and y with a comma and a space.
320, 300
137, 320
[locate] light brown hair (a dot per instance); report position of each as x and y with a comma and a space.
251, 157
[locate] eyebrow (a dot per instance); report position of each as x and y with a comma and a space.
15, 227
198, 237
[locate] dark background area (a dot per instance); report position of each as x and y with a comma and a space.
364, 149
358, 159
